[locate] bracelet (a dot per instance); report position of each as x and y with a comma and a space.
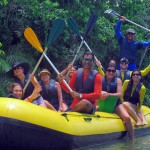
80, 95
28, 98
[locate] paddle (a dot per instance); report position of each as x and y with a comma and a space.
146, 49
57, 29
115, 14
91, 22
74, 27
38, 46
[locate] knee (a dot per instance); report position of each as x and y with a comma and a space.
126, 118
85, 103
125, 104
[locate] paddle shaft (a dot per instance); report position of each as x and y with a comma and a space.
89, 49
77, 52
35, 68
137, 25
119, 16
83, 42
143, 56
56, 70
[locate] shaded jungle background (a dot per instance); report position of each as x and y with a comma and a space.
16, 15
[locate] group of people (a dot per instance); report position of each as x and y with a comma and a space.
89, 85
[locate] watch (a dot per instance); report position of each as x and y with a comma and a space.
80, 95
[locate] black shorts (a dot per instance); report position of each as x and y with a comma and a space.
91, 112
118, 102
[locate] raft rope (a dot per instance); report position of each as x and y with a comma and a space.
88, 115
147, 114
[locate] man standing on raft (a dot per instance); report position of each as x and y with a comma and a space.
128, 45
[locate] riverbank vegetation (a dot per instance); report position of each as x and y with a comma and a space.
16, 15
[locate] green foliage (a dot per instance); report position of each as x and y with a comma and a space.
16, 15
3, 2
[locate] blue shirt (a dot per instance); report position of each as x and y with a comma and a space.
128, 49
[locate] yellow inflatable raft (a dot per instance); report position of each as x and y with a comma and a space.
24, 125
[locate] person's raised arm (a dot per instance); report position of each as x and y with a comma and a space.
118, 28
64, 72
34, 80
35, 93
145, 71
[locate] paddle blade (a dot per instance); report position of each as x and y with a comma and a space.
32, 39
73, 26
91, 22
57, 29
112, 13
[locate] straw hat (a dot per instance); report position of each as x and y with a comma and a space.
44, 71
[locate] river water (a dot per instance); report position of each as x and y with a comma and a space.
140, 143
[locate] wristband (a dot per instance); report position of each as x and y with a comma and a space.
80, 95
28, 98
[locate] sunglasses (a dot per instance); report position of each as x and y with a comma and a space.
136, 74
87, 59
129, 33
18, 67
123, 62
109, 70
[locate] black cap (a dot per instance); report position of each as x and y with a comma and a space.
124, 60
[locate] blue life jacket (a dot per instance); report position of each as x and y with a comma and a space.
110, 87
135, 98
126, 75
88, 85
50, 94
29, 88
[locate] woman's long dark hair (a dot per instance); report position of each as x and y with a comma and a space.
128, 91
131, 80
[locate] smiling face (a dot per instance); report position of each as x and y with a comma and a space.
130, 36
87, 61
18, 71
136, 76
45, 77
123, 65
110, 72
17, 91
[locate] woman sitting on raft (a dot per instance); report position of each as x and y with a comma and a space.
51, 91
133, 96
112, 86
15, 91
